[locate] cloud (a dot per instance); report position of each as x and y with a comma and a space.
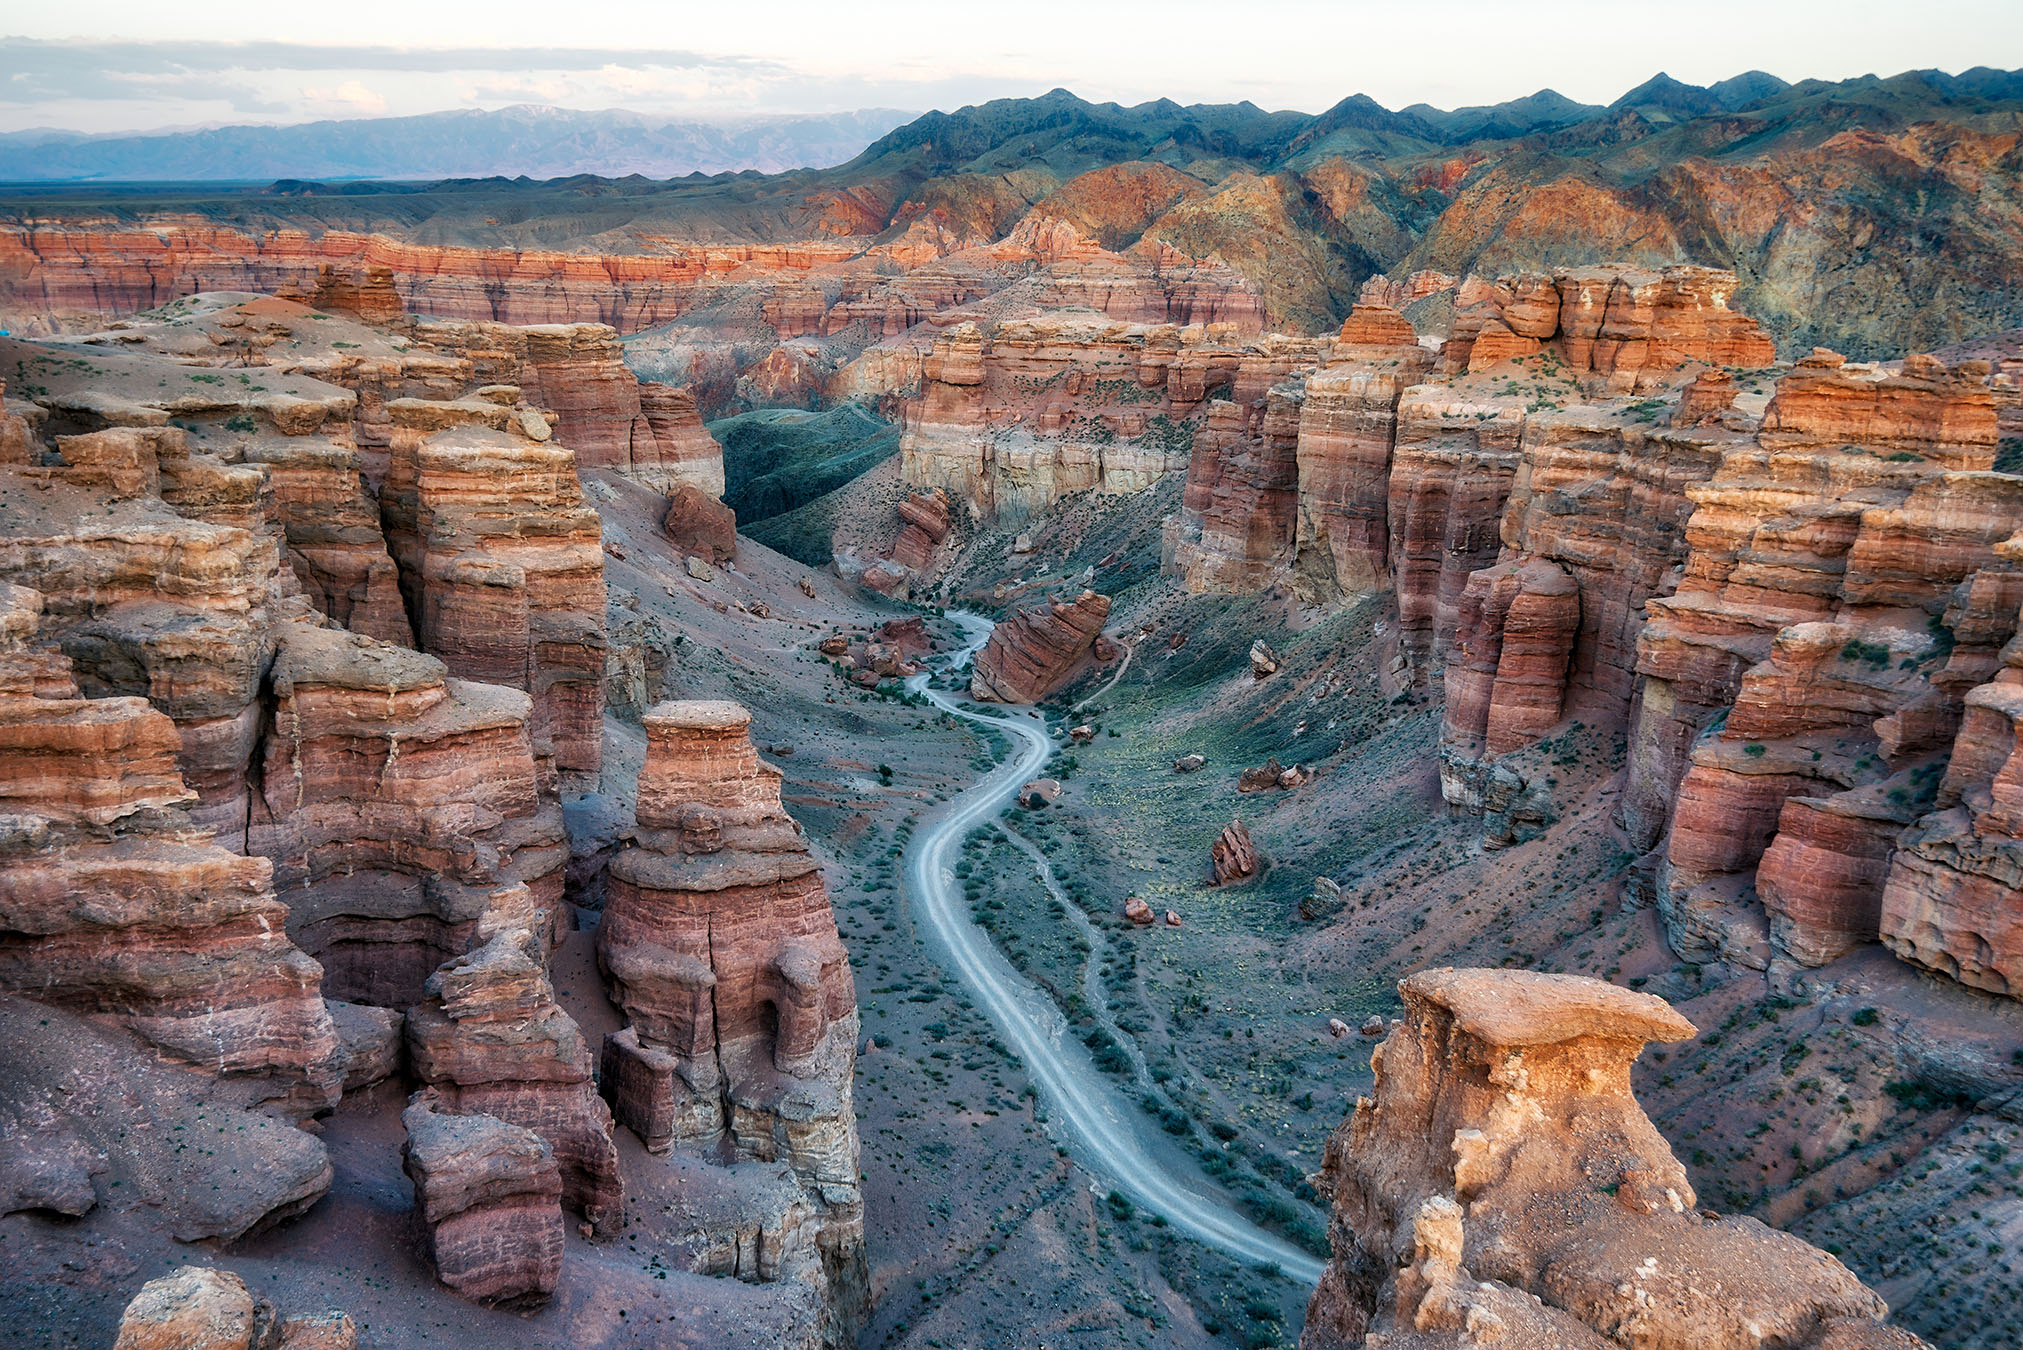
349, 99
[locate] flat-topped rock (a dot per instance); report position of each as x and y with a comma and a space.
1526, 1007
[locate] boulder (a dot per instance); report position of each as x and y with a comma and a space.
194, 1309
1233, 857
1138, 912
700, 525
489, 1198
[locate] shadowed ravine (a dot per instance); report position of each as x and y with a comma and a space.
1101, 1125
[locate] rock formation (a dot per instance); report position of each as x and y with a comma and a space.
503, 566
1036, 651
397, 804
1348, 425
1503, 1186
113, 901
926, 524
1627, 328
488, 1196
1235, 528
491, 1041
700, 525
198, 1309
718, 943
1232, 857
1010, 419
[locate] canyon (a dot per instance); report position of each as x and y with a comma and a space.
457, 873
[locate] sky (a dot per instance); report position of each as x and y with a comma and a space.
140, 65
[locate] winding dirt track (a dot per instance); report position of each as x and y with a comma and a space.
1105, 1126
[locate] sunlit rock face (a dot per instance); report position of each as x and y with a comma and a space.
1502, 1185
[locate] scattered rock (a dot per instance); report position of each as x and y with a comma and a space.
699, 569
1023, 544
807, 588
1172, 918
1268, 775
1373, 1026
1138, 912
1188, 763
1263, 660
1337, 1028
1082, 735
1040, 792
1233, 857
1325, 901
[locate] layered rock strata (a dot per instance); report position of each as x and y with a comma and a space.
1348, 425
491, 1040
1502, 1185
1014, 416
718, 943
1625, 328
488, 1196
502, 564
1036, 651
398, 804
114, 902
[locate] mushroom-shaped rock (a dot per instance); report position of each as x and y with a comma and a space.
1503, 1160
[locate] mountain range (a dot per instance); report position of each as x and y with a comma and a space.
539, 142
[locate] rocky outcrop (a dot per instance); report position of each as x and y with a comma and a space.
1013, 417
1625, 328
1948, 901
1036, 651
718, 944
113, 902
1502, 1184
503, 567
925, 523
488, 1196
1348, 425
1507, 673
491, 1040
1235, 529
676, 448
1452, 466
397, 805
1817, 612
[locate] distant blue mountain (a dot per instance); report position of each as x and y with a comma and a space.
527, 140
